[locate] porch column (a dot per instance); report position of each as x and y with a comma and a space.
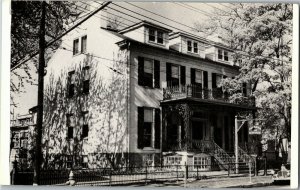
186, 114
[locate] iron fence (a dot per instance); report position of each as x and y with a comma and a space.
127, 175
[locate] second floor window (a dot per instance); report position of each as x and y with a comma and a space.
71, 84
83, 44
85, 126
75, 46
172, 74
148, 72
86, 80
70, 126
223, 55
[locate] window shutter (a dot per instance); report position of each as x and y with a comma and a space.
157, 129
182, 75
214, 80
156, 74
193, 76
205, 79
141, 71
140, 127
169, 72
244, 89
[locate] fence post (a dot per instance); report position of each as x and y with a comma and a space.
14, 173
110, 174
250, 170
229, 168
177, 171
265, 168
197, 173
186, 172
146, 175
255, 168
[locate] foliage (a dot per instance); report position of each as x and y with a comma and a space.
106, 105
261, 35
25, 21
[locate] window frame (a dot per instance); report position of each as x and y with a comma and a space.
86, 80
85, 125
76, 48
71, 84
192, 46
177, 83
148, 78
189, 46
195, 47
83, 49
223, 55
201, 72
152, 123
70, 126
155, 36
202, 163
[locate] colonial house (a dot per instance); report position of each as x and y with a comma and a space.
141, 95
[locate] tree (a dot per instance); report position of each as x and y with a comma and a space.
261, 35
106, 108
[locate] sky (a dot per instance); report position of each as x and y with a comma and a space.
179, 15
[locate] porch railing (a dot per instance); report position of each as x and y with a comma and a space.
196, 91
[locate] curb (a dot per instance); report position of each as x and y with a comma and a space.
251, 185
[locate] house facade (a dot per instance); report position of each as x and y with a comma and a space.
142, 95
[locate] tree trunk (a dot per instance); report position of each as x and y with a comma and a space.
39, 122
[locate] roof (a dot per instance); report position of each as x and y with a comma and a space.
199, 38
144, 23
123, 42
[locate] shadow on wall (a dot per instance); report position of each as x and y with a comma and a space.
85, 114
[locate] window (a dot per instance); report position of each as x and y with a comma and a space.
75, 46
86, 80
148, 123
148, 128
220, 54
85, 161
223, 55
174, 160
195, 47
160, 38
16, 140
151, 35
69, 161
172, 74
83, 44
24, 143
198, 78
201, 163
71, 84
148, 72
70, 126
189, 46
156, 36
85, 126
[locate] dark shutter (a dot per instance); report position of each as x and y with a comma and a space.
214, 80
169, 73
182, 75
193, 76
244, 89
140, 127
205, 79
141, 71
157, 129
156, 74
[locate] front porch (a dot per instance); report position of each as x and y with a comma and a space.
192, 127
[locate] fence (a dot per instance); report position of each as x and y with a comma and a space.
125, 175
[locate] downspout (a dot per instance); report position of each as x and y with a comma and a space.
128, 103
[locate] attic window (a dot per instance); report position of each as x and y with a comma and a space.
223, 55
156, 36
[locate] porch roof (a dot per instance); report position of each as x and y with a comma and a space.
207, 102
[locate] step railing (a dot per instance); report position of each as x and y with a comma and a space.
245, 157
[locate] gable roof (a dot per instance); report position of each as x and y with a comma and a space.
144, 23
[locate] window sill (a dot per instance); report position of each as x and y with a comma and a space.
156, 44
149, 148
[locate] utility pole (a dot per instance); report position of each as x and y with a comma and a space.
236, 146
39, 119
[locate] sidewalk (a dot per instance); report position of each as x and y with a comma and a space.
226, 182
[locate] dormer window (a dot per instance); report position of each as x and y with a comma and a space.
223, 55
192, 46
156, 36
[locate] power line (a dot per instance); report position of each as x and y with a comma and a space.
193, 9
